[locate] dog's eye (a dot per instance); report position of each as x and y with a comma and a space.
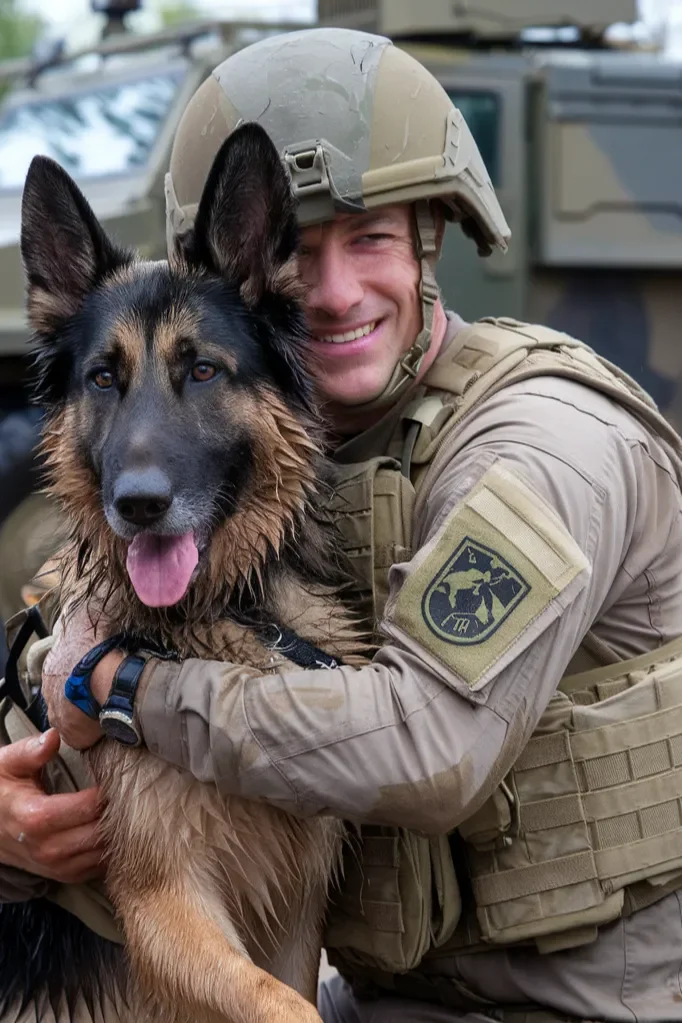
203, 371
103, 379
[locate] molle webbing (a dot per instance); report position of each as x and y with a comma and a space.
594, 825
399, 897
588, 825
372, 508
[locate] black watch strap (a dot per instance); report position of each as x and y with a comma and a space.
126, 680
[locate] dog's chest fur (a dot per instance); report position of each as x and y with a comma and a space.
262, 858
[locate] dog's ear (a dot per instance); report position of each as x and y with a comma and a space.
245, 228
63, 246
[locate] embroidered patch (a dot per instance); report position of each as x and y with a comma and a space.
472, 594
502, 559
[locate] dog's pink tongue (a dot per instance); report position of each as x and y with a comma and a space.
160, 567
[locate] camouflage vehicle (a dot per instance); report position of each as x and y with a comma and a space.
582, 141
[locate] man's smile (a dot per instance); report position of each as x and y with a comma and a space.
349, 334
351, 341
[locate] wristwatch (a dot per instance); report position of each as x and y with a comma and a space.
117, 716
77, 685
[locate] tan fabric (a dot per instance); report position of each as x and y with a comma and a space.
402, 741
611, 485
500, 535
640, 987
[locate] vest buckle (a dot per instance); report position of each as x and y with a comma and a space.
429, 291
412, 360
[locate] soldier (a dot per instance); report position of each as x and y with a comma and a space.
513, 751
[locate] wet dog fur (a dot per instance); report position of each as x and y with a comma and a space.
194, 370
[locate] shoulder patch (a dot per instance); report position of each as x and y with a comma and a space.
472, 594
502, 557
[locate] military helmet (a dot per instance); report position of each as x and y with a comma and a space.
359, 124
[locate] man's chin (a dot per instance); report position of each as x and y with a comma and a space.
351, 397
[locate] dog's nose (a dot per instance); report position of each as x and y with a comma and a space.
143, 496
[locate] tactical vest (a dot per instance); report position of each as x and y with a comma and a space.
587, 826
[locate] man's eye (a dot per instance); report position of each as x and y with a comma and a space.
102, 378
374, 236
203, 371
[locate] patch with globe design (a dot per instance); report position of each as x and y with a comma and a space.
472, 594
501, 567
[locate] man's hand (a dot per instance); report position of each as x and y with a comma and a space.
73, 639
53, 836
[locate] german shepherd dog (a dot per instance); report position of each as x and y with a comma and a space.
182, 442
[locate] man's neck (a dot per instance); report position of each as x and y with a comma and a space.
348, 420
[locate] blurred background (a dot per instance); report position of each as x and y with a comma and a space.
576, 106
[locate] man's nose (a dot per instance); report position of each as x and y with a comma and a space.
143, 496
334, 285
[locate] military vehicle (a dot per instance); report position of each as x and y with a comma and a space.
582, 141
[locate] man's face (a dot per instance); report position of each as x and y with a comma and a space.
363, 301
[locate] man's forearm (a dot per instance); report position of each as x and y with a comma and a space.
386, 743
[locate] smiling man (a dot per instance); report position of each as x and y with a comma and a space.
363, 308
513, 507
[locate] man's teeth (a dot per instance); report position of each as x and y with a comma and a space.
350, 335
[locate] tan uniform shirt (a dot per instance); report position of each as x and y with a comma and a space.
409, 741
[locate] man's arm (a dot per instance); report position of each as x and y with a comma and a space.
421, 736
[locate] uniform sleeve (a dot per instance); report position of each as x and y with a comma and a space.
519, 540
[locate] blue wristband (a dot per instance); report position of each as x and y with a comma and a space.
77, 686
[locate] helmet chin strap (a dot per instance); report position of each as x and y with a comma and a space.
410, 363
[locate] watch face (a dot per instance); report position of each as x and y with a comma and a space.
116, 726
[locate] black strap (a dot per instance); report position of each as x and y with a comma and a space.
126, 681
11, 686
296, 649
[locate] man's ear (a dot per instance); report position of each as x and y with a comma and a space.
65, 250
245, 228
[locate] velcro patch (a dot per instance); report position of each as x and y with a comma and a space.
501, 558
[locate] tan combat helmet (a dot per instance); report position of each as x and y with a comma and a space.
359, 124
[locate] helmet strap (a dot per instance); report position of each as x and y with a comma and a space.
410, 363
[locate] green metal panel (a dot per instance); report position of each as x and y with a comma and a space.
491, 93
